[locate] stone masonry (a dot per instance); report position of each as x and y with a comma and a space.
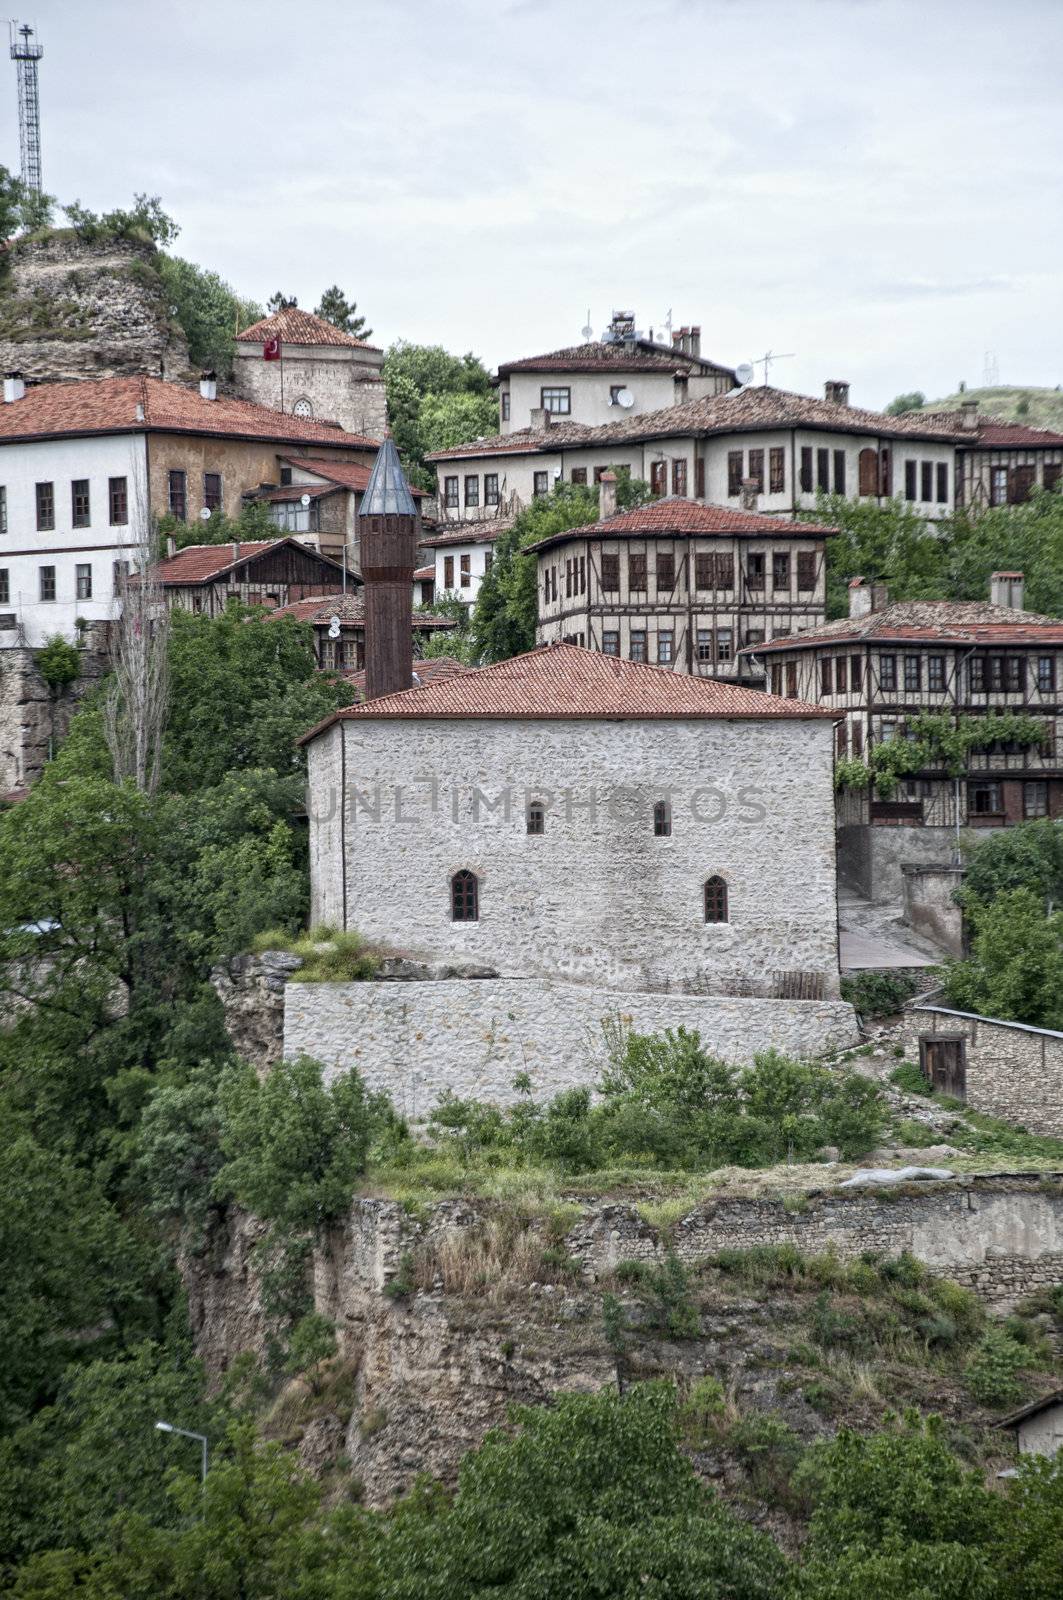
1012, 1071
34, 719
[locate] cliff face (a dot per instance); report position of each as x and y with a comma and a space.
70, 309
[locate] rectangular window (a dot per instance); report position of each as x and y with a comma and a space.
734, 473
45, 507
926, 481
118, 496
839, 472
637, 649
659, 477
465, 570
998, 486
699, 478
724, 644
840, 674
665, 570
553, 583
610, 642
942, 471
780, 570
119, 575
178, 497
806, 569
489, 560
754, 636
755, 570
1046, 673
1052, 474
913, 673
568, 580
1035, 799
610, 572
935, 673
704, 571
665, 636
806, 469
725, 572
983, 799
490, 488
911, 477
3, 509
80, 516
636, 572
505, 405
5, 587
776, 677
448, 573
579, 474
212, 491
841, 741
858, 740
791, 680
856, 672
450, 493
679, 476
472, 489
756, 469
1020, 481
976, 674
777, 470
557, 401
823, 470
704, 643
541, 484
83, 578
1013, 669
996, 672
46, 577
887, 672
826, 685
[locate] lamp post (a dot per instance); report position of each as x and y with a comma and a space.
168, 1427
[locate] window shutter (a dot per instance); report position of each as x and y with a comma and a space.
806, 469
868, 472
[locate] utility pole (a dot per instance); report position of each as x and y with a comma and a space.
25, 53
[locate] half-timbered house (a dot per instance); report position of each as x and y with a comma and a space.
262, 572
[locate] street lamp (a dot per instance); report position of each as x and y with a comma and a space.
168, 1427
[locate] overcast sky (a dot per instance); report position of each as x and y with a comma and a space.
873, 185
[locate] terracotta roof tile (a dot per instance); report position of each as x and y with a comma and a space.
109, 405
349, 608
936, 621
201, 563
435, 670
348, 474
677, 515
628, 355
424, 574
293, 326
563, 681
485, 532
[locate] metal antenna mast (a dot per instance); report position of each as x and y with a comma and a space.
25, 53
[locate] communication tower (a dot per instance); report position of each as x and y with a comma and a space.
25, 53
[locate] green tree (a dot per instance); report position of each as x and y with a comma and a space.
279, 301
1015, 970
905, 403
209, 311
1029, 856
343, 313
1025, 538
880, 541
435, 397
58, 663
144, 219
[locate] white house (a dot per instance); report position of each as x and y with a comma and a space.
463, 556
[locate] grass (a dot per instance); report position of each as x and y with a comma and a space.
327, 956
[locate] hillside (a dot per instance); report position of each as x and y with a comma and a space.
1038, 408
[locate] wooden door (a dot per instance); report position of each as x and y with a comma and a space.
943, 1062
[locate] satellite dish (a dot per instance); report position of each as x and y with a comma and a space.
626, 399
557, 472
204, 515
304, 499
744, 373
333, 627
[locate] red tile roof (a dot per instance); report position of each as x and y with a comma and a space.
110, 405
299, 327
435, 670
628, 355
347, 473
933, 621
739, 411
677, 515
350, 608
1014, 436
485, 532
563, 681
424, 574
203, 563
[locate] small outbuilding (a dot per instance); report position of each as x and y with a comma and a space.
1038, 1426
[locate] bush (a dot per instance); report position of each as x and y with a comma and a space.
993, 1368
911, 1078
58, 663
878, 994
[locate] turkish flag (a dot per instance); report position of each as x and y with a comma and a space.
271, 350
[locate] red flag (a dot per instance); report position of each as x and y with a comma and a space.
271, 350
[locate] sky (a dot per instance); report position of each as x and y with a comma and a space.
868, 187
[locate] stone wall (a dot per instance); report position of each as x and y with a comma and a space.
339, 383
929, 906
33, 719
1012, 1071
76, 310
473, 1036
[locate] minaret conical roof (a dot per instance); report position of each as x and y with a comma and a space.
387, 494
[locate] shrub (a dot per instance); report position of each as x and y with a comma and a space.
58, 663
911, 1078
992, 1371
878, 994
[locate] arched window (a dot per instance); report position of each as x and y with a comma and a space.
464, 897
715, 900
662, 820
536, 817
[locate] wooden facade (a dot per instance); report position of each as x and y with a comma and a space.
278, 575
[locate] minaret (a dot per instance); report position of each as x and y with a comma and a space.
387, 537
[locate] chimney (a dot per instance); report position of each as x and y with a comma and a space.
387, 540
14, 387
969, 416
540, 419
1007, 589
171, 545
677, 338
836, 390
750, 491
140, 411
695, 341
236, 549
680, 387
607, 496
864, 597
208, 385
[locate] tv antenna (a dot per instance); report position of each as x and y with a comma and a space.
767, 359
990, 370
587, 331
25, 53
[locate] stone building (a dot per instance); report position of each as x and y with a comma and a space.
564, 815
883, 665
680, 584
1038, 1427
1008, 1070
623, 372
295, 362
83, 466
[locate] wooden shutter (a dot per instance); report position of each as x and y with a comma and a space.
734, 472
868, 472
777, 470
806, 469
699, 478
806, 569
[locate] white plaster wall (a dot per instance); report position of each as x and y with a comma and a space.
473, 1036
24, 550
597, 897
477, 554
342, 383
1042, 1435
589, 394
